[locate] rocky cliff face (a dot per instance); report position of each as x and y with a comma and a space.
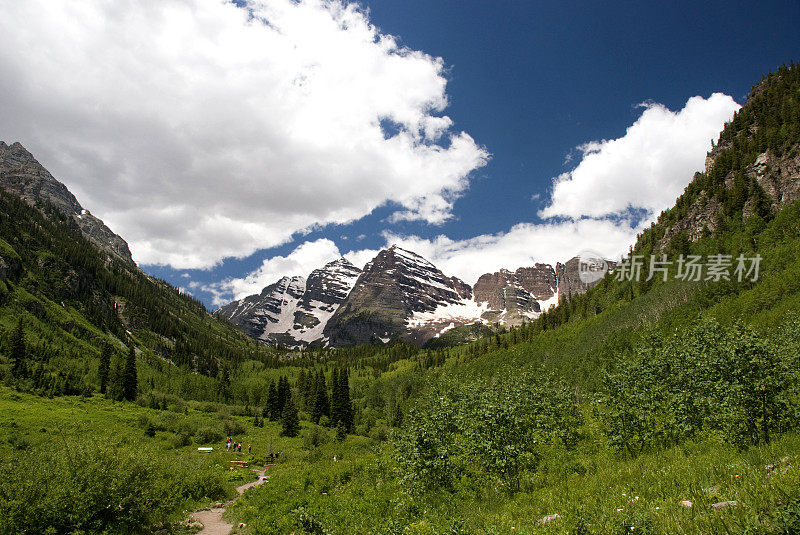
326, 289
22, 175
514, 297
294, 310
778, 176
569, 281
511, 298
394, 286
269, 315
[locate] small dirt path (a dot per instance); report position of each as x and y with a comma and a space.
212, 521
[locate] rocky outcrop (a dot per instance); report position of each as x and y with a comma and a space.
512, 298
22, 175
779, 176
394, 286
569, 281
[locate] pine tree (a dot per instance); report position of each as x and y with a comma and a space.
309, 395
272, 402
18, 352
348, 414
336, 399
341, 432
284, 392
321, 402
130, 383
290, 420
105, 367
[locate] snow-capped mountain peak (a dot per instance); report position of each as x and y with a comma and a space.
294, 310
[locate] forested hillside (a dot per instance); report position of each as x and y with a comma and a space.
72, 299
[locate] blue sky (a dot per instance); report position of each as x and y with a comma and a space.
528, 82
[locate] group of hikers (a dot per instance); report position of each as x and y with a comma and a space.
236, 447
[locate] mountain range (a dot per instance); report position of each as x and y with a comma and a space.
398, 295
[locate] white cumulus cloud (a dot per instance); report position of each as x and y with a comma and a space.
199, 130
647, 168
305, 258
523, 245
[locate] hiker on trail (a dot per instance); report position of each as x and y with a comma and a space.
248, 447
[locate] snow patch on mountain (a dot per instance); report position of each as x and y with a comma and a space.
464, 311
546, 304
281, 317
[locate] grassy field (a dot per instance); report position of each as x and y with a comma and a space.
592, 490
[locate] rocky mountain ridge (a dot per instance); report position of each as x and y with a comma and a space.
22, 175
394, 286
398, 295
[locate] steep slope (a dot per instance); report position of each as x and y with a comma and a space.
753, 170
294, 310
394, 286
25, 177
74, 297
740, 205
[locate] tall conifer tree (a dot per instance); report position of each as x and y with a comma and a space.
290, 420
321, 401
130, 381
273, 408
105, 367
19, 368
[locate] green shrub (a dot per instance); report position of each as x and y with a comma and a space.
315, 436
458, 429
208, 435
99, 489
233, 427
727, 380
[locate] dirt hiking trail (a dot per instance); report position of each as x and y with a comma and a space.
212, 521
